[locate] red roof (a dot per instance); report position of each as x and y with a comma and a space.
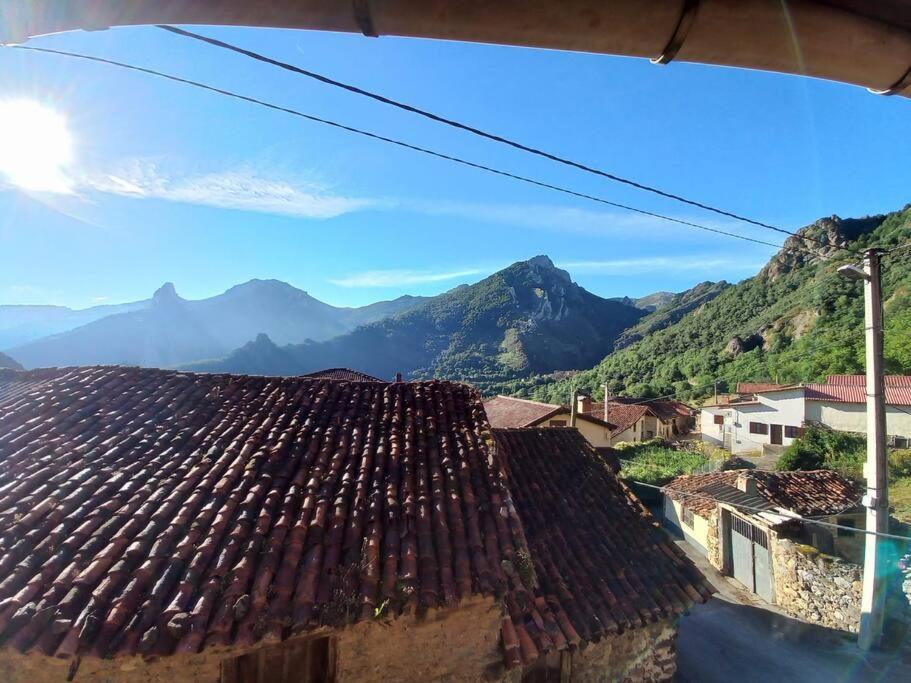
599, 557
811, 493
507, 411
620, 416
149, 511
153, 512
345, 374
861, 380
757, 387
898, 395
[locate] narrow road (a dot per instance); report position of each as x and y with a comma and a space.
738, 637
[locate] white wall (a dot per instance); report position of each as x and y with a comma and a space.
852, 417
712, 433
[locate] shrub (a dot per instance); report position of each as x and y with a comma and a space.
842, 452
800, 455
900, 463
655, 463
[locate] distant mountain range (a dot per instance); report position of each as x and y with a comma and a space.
167, 330
527, 318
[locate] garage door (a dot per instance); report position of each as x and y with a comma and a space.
750, 557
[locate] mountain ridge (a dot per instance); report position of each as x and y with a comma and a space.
528, 317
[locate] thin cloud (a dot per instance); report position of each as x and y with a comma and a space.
660, 263
244, 190
401, 278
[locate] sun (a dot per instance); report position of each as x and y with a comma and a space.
35, 146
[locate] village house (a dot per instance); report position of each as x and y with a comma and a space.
769, 417
625, 420
169, 526
744, 522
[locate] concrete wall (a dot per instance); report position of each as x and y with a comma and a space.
595, 434
712, 433
815, 587
457, 644
852, 417
696, 535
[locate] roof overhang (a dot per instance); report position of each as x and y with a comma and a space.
864, 42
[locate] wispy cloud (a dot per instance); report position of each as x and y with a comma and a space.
242, 189
661, 263
400, 278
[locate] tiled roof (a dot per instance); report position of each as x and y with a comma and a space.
809, 493
757, 387
16, 383
896, 394
601, 562
663, 409
150, 511
624, 416
506, 411
345, 374
861, 380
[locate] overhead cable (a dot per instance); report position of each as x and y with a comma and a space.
406, 145
485, 134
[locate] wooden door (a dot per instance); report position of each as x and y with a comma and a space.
776, 435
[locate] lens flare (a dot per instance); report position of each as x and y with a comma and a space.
35, 146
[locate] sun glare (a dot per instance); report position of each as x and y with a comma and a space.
35, 146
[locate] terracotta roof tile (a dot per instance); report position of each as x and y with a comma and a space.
153, 511
861, 380
810, 493
506, 411
345, 374
601, 562
620, 416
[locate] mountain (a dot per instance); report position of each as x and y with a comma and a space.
8, 363
21, 324
649, 302
796, 320
528, 318
168, 330
668, 308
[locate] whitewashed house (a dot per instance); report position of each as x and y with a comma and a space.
775, 415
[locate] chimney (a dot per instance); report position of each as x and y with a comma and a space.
585, 404
747, 484
398, 377
607, 399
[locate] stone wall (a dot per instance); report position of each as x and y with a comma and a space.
815, 587
456, 644
643, 654
713, 541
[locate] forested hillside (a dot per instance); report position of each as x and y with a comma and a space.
525, 319
797, 320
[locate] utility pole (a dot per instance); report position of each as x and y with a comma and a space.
573, 407
872, 605
715, 383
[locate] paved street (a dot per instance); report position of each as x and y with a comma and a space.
737, 637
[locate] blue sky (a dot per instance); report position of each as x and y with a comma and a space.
168, 183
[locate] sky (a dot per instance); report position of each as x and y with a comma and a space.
162, 182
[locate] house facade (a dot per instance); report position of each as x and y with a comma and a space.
181, 527
748, 524
776, 415
625, 420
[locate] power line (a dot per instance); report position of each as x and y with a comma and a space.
405, 145
485, 134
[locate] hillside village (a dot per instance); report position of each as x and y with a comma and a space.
587, 405
233, 525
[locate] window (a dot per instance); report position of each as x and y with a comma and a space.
900, 441
649, 434
718, 419
688, 517
558, 423
794, 432
759, 428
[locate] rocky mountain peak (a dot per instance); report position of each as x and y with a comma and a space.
543, 264
166, 293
